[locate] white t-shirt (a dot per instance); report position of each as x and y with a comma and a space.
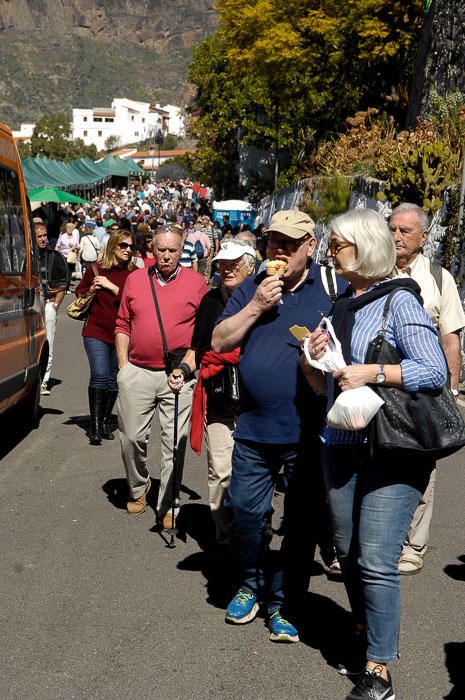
89, 248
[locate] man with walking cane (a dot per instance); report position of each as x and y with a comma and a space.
153, 331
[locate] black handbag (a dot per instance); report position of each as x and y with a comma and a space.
172, 358
420, 424
224, 389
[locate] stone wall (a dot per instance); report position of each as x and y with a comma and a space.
441, 56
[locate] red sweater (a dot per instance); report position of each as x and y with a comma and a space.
102, 317
137, 318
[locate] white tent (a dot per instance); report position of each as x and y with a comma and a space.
232, 205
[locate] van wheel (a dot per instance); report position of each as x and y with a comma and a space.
30, 409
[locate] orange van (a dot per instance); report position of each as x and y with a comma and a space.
23, 341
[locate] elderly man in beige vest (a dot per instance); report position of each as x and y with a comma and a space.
409, 226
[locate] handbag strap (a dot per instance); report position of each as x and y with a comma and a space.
151, 272
376, 343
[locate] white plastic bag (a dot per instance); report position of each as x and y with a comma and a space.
354, 408
333, 358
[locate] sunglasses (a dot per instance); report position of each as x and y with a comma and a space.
288, 244
125, 246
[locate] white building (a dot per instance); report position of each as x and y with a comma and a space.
25, 132
177, 125
128, 121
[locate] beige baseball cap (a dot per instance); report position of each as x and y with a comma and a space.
292, 223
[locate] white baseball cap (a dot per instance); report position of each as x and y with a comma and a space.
231, 250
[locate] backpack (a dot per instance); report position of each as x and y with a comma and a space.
199, 250
436, 272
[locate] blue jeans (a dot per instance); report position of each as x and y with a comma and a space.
255, 467
372, 502
103, 364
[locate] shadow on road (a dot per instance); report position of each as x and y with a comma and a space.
455, 662
456, 571
14, 430
82, 422
117, 492
216, 563
327, 627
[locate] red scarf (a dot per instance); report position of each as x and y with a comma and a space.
212, 364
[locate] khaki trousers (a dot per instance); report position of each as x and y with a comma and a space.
219, 428
418, 534
140, 392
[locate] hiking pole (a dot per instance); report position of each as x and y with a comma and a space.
173, 530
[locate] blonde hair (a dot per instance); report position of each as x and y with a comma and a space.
109, 260
374, 243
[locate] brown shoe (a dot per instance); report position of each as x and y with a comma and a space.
137, 507
168, 521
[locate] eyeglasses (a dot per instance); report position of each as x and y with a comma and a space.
335, 247
125, 246
288, 244
230, 264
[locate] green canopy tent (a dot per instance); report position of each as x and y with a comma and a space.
53, 194
81, 175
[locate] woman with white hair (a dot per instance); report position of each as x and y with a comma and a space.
372, 498
216, 418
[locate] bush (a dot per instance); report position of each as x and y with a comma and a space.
326, 197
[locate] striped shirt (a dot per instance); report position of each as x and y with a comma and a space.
410, 330
188, 255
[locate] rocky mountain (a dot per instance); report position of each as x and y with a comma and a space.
58, 54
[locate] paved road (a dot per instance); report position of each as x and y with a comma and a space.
95, 606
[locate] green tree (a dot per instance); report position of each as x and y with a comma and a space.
306, 64
52, 138
170, 142
174, 169
112, 142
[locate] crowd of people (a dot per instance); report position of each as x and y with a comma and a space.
207, 324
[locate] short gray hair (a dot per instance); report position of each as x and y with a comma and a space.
246, 236
423, 221
169, 229
370, 234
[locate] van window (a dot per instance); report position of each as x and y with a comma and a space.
12, 241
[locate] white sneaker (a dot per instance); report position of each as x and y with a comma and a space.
410, 563
44, 391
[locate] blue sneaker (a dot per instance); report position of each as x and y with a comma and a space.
243, 607
280, 629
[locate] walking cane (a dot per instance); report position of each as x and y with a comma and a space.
173, 531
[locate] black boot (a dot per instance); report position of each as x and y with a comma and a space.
108, 408
96, 405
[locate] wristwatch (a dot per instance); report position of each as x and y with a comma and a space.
455, 392
380, 377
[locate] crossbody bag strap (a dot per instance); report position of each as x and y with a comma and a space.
330, 281
157, 309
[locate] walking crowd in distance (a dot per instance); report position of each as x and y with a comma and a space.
219, 329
